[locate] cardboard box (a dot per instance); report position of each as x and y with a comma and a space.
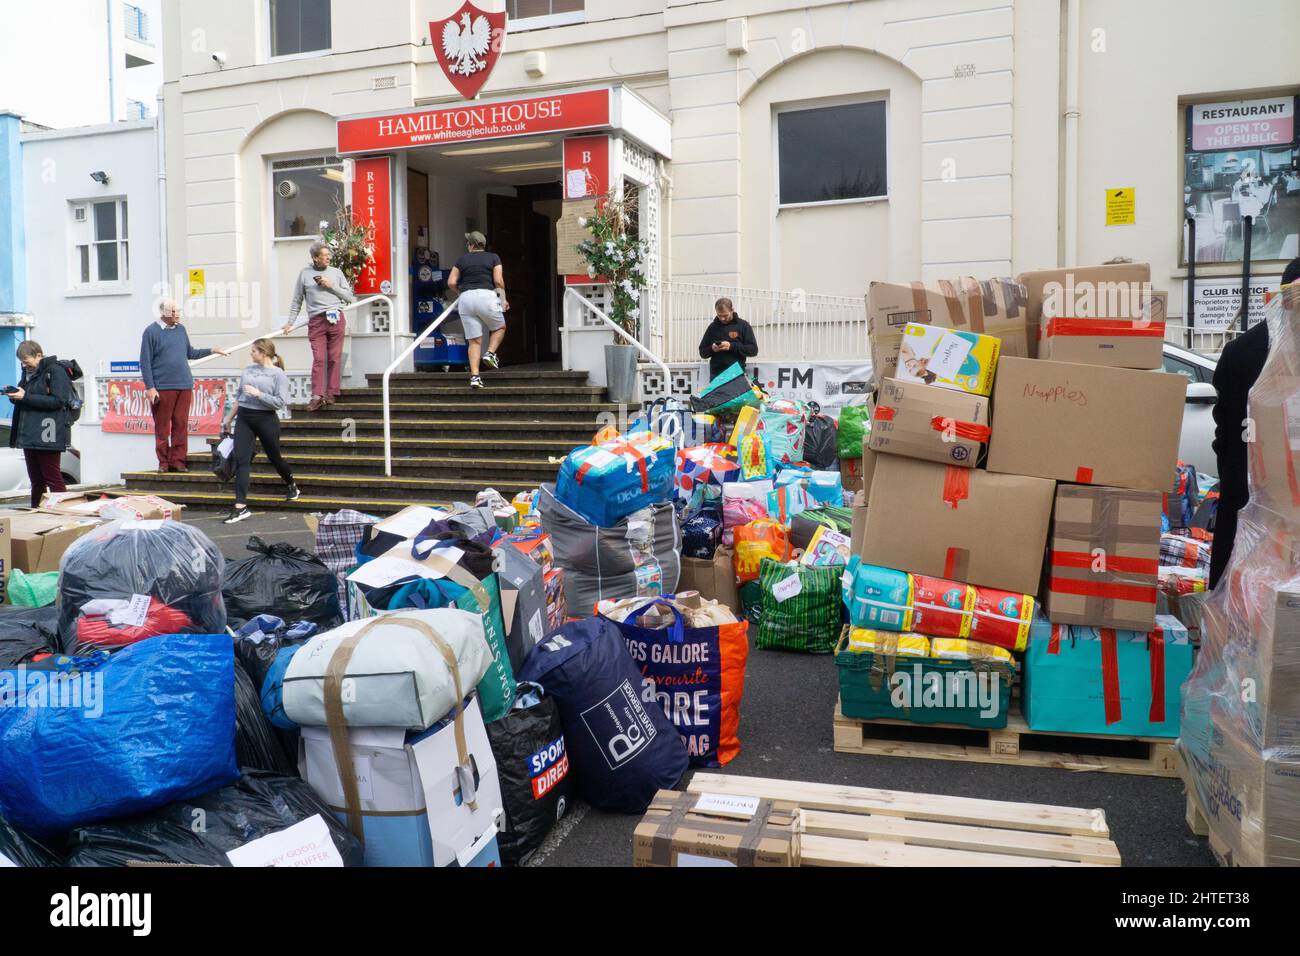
950, 358
859, 535
959, 524
38, 539
1104, 560
995, 307
1067, 285
715, 579
1087, 424
1067, 686
1275, 453
1135, 338
523, 604
689, 829
128, 507
927, 422
568, 234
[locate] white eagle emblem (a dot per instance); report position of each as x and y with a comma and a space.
466, 45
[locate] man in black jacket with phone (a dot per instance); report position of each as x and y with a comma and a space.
728, 340
1235, 375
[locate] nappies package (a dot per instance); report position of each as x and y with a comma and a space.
963, 361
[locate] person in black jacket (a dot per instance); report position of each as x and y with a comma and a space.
728, 340
1238, 369
41, 426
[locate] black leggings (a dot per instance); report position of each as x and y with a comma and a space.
250, 425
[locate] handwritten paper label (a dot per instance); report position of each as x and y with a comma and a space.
304, 844
788, 588
137, 611
722, 803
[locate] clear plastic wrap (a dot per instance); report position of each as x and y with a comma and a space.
1240, 738
131, 580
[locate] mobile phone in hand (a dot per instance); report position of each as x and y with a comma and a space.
10, 389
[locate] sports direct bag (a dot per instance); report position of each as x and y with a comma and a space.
730, 391
533, 768
397, 672
606, 483
157, 723
697, 674
783, 427
623, 752
801, 608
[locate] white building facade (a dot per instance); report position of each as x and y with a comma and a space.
780, 150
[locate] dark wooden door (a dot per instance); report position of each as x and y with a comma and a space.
508, 234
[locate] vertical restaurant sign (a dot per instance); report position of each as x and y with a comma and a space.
1244, 124
129, 410
586, 167
372, 208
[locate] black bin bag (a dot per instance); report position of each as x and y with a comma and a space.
203, 830
533, 769
26, 632
258, 745
284, 581
21, 850
622, 751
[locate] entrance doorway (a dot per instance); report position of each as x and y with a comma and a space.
512, 193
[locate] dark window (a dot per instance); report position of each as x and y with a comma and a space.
832, 153
306, 196
523, 9
299, 26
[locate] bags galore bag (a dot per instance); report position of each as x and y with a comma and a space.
255, 806
399, 678
623, 752
696, 674
608, 482
283, 581
600, 563
533, 768
801, 608
156, 723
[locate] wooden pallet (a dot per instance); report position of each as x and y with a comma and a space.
862, 826
1016, 745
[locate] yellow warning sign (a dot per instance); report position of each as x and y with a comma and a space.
197, 282
1121, 207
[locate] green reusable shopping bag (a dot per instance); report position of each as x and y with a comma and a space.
854, 425
33, 590
802, 608
729, 392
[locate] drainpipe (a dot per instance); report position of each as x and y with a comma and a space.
1072, 133
159, 131
665, 251
112, 92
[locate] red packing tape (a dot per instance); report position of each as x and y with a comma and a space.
970, 431
956, 486
1083, 560
1054, 642
885, 413
1112, 592
621, 449
1083, 476
1094, 327
1110, 676
1156, 646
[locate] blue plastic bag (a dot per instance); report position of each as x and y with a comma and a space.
622, 751
151, 724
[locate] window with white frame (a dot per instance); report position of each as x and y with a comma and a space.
299, 26
99, 242
832, 153
308, 192
537, 9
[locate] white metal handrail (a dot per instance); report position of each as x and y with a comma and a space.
595, 310
410, 350
392, 330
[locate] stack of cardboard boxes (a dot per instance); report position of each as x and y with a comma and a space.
1240, 739
1045, 485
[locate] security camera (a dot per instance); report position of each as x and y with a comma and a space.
100, 177
219, 58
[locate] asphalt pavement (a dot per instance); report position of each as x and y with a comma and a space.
785, 732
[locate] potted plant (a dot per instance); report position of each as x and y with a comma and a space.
615, 256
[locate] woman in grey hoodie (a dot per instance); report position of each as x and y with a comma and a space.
263, 392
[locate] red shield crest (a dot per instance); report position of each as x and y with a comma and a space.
468, 45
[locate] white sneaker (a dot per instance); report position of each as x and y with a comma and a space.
476, 382
490, 359
237, 515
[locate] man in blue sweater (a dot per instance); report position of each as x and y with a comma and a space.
165, 356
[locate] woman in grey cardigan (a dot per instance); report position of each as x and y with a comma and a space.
263, 392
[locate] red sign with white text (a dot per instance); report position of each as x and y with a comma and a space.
468, 45
371, 207
586, 167
477, 121
129, 410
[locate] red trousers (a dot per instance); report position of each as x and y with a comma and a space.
326, 355
171, 427
44, 472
